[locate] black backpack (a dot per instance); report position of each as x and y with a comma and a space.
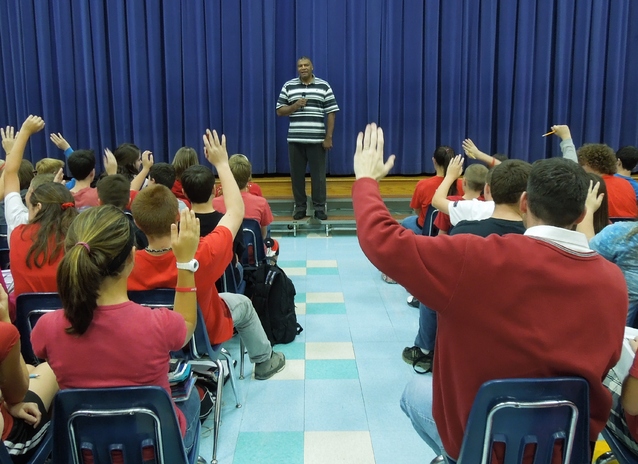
273, 296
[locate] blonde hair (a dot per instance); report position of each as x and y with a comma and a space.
184, 158
241, 168
48, 166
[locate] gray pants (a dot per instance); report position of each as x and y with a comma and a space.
300, 155
248, 326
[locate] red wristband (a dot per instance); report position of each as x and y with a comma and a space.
186, 289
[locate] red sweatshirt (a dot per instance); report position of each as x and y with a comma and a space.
511, 306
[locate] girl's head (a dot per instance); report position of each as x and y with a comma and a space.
128, 159
99, 251
184, 159
51, 211
442, 157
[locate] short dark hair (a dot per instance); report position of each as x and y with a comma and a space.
475, 177
81, 163
198, 183
628, 157
114, 190
154, 210
508, 181
599, 157
162, 173
556, 191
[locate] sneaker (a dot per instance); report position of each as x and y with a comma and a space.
387, 279
299, 215
265, 370
413, 302
321, 215
417, 359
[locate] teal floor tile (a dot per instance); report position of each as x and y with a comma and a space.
300, 297
331, 369
325, 308
291, 263
292, 350
322, 271
269, 448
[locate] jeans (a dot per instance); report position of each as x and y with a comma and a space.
190, 409
426, 336
248, 326
416, 403
411, 223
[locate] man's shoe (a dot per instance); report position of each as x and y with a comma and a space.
265, 370
321, 215
299, 215
421, 362
413, 302
437, 460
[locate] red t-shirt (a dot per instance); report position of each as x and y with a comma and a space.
253, 189
126, 345
34, 279
85, 198
9, 336
621, 197
177, 190
214, 254
424, 192
255, 207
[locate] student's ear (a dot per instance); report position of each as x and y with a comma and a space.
151, 181
99, 202
618, 164
184, 193
522, 205
487, 192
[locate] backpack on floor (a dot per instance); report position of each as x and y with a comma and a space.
273, 296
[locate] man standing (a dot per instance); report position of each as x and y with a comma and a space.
307, 99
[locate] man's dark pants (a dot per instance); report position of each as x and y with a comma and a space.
300, 155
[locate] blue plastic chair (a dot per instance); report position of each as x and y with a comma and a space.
127, 424
518, 412
201, 354
619, 451
253, 239
29, 308
428, 223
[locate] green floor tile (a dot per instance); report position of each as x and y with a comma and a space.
300, 298
331, 369
325, 308
269, 448
322, 271
291, 263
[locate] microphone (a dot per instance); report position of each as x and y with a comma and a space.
303, 95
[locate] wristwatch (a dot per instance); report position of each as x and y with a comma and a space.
192, 265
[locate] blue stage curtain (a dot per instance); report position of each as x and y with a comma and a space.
159, 72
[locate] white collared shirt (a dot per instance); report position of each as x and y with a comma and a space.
570, 239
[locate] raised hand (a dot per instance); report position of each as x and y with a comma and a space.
214, 149
455, 168
184, 243
368, 155
470, 148
59, 176
8, 135
594, 199
562, 131
110, 163
32, 124
59, 141
147, 160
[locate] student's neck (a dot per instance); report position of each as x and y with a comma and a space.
158, 243
471, 195
202, 208
113, 291
81, 184
624, 172
440, 171
507, 212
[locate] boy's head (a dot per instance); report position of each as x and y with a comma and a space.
185, 157
474, 177
48, 166
627, 158
82, 164
154, 210
25, 174
241, 168
597, 158
556, 192
198, 183
508, 181
163, 174
114, 190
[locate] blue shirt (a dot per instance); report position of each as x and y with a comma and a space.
632, 181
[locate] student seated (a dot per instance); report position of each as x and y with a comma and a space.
101, 339
82, 168
601, 159
252, 187
626, 161
184, 158
26, 391
549, 284
164, 174
255, 207
48, 166
115, 190
154, 209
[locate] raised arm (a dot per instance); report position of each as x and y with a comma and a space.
567, 144
472, 151
30, 126
61, 143
147, 163
216, 154
454, 171
592, 203
184, 244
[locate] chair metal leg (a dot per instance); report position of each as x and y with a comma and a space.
231, 370
218, 408
242, 355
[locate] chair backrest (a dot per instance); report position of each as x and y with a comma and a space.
521, 412
229, 282
29, 308
622, 454
428, 223
127, 424
254, 253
